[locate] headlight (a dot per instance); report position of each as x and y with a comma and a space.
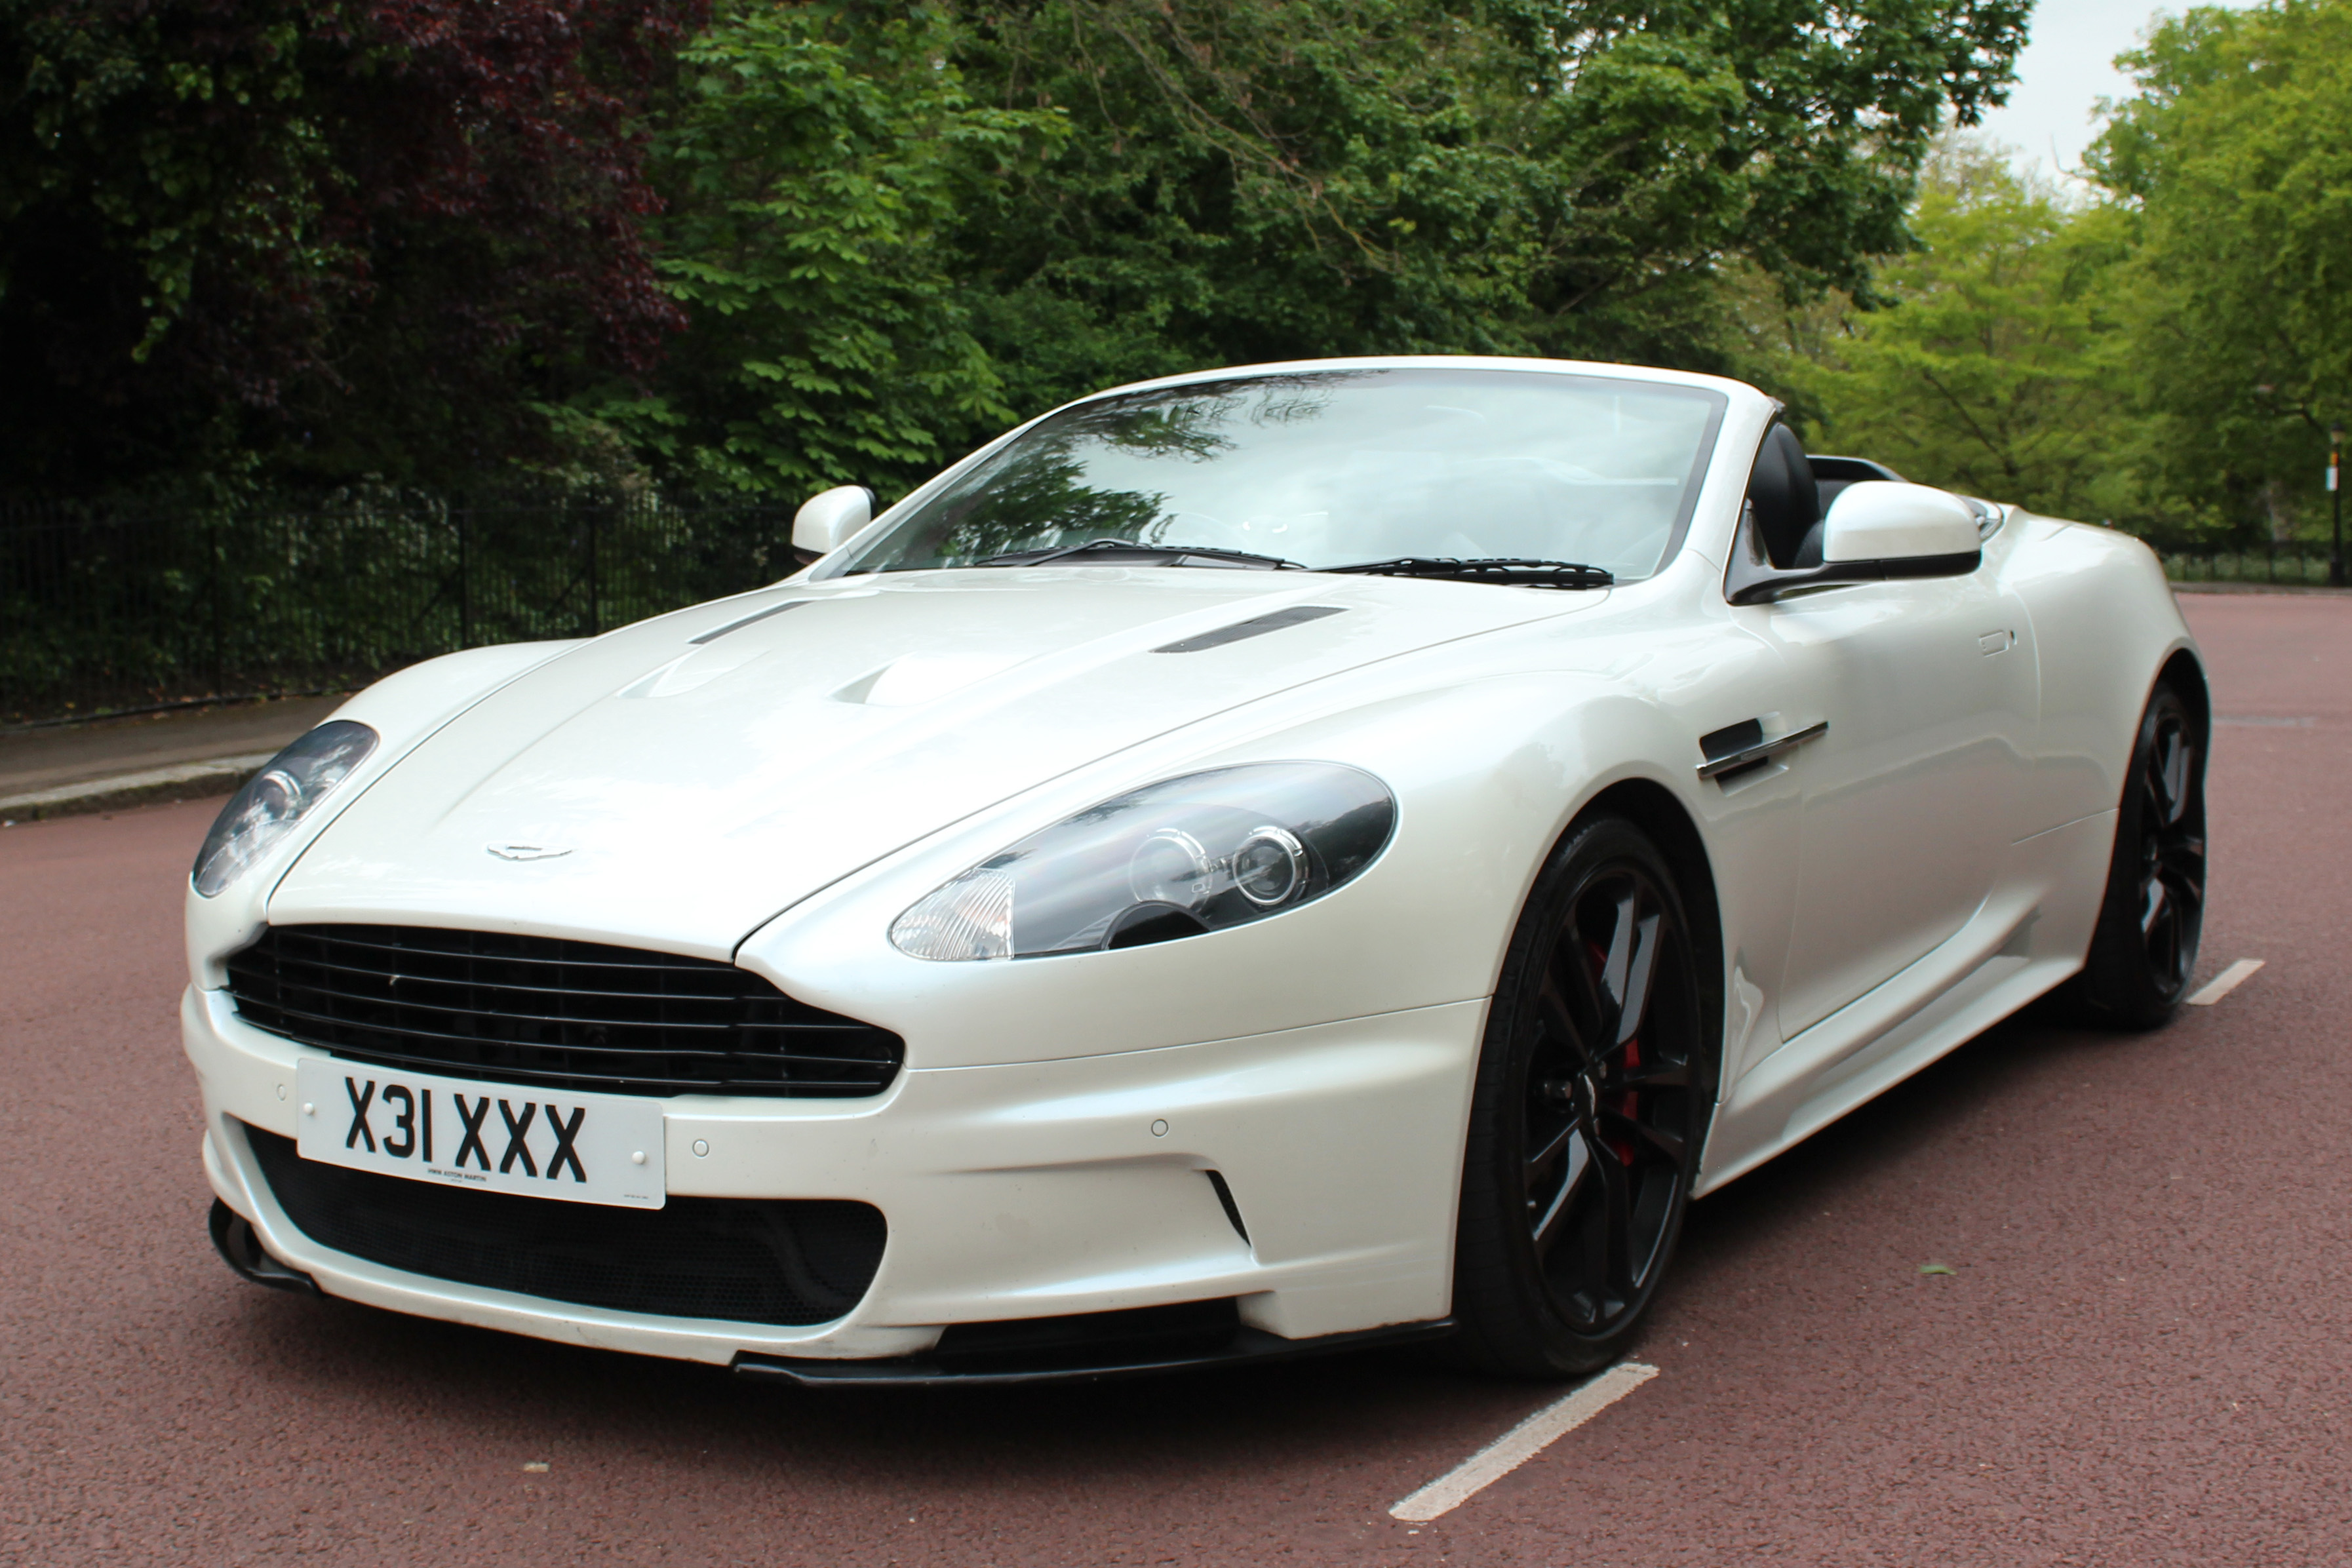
1175, 858
277, 798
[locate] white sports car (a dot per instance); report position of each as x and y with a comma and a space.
1255, 863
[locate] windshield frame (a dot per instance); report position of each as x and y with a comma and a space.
848, 561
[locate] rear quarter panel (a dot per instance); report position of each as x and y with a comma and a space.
2104, 622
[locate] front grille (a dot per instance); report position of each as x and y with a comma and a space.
789, 1261
540, 1011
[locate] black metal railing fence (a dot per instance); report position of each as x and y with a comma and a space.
106, 612
2289, 563
109, 611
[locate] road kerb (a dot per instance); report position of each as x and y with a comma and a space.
182, 781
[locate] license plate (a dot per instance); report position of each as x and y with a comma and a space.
500, 1138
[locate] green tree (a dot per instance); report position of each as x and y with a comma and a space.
421, 239
1251, 181
2233, 157
815, 162
1994, 365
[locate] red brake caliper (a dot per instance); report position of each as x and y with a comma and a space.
1627, 1101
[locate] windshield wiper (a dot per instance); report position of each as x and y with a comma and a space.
1502, 569
1126, 550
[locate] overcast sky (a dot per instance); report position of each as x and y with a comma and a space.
2066, 67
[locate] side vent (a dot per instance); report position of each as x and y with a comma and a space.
1258, 626
1731, 740
1742, 748
1233, 1209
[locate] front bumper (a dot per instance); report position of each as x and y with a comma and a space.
1033, 1190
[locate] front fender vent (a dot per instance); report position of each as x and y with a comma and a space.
541, 1011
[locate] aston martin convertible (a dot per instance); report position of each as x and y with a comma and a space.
1262, 862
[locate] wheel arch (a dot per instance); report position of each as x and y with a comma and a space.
1503, 1325
2118, 985
2185, 674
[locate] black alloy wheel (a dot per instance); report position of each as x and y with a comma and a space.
2145, 947
1595, 1083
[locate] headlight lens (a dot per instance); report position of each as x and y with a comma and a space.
278, 798
1175, 858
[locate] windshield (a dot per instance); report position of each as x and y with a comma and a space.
1334, 468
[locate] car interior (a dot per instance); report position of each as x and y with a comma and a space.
1790, 493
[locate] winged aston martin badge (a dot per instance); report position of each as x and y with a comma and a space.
524, 851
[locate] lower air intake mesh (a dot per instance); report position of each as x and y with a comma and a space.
785, 1261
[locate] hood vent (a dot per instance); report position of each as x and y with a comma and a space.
715, 633
1257, 625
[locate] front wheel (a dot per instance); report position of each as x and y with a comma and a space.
1595, 1081
2153, 911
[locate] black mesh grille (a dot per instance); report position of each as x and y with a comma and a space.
565, 1015
791, 1262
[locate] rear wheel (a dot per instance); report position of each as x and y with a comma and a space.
1594, 1085
2145, 947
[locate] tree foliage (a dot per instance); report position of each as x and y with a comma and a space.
817, 161
2232, 158
322, 240
2166, 351
1253, 182
1995, 365
341, 234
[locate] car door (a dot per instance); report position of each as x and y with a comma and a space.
1912, 792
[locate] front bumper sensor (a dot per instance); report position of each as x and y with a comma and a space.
1085, 1348
242, 1250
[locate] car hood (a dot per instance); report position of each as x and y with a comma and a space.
680, 781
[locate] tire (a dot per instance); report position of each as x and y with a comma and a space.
2145, 947
1595, 1082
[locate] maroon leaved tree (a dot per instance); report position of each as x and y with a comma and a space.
370, 238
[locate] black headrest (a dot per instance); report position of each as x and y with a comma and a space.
1788, 500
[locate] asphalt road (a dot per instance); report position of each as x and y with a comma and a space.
2139, 1357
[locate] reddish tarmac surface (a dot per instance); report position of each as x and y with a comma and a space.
2140, 1357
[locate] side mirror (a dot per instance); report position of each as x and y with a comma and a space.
1876, 530
827, 520
1878, 519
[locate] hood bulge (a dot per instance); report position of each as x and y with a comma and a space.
682, 780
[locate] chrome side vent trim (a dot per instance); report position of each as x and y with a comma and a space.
1736, 748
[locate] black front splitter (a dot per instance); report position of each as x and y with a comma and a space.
1088, 1348
1245, 1346
233, 1236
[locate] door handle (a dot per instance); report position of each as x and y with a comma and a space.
1743, 745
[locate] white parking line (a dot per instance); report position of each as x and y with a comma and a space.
1522, 1443
2229, 980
